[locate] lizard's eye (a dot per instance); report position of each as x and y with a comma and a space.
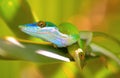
41, 24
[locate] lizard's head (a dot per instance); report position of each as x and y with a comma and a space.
38, 28
62, 35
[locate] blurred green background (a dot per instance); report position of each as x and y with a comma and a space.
87, 15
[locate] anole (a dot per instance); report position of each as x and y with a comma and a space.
64, 35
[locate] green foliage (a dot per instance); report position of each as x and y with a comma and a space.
22, 60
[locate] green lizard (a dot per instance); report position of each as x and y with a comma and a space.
64, 35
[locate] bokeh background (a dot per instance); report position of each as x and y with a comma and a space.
87, 15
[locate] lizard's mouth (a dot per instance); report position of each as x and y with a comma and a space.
28, 29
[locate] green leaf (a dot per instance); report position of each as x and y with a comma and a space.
30, 52
15, 13
5, 29
103, 44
